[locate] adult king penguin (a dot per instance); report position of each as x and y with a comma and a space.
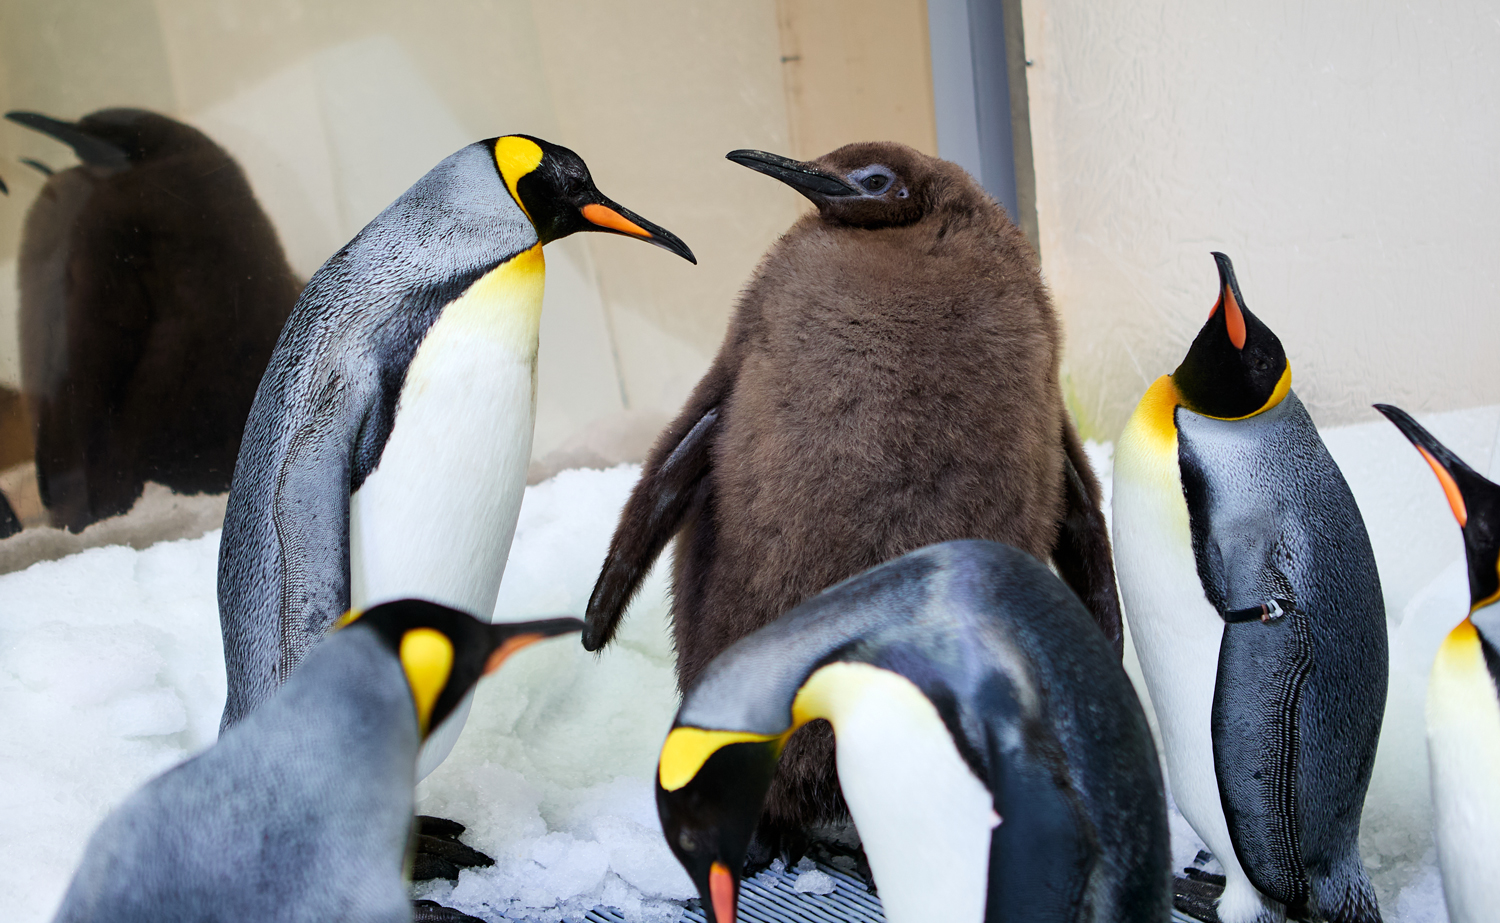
152, 290
386, 451
1463, 704
303, 811
1255, 609
889, 380
994, 758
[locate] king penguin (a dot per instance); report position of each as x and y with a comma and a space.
889, 380
995, 760
386, 451
1463, 694
303, 811
152, 289
1255, 608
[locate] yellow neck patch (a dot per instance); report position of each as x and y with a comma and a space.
516, 157
687, 749
427, 658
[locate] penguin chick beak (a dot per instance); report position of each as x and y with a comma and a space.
4, 188
814, 182
1230, 301
1447, 466
91, 150
512, 637
605, 215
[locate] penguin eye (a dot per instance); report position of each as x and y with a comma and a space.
875, 182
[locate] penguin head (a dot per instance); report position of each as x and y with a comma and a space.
1236, 367
553, 187
1474, 500
709, 788
113, 139
444, 652
866, 185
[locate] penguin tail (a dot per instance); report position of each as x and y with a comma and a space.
1346, 895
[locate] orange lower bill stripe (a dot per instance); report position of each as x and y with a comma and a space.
606, 217
721, 890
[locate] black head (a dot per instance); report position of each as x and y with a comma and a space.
116, 138
709, 806
1474, 500
444, 652
868, 185
1236, 366
554, 188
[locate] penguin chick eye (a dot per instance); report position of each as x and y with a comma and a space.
875, 182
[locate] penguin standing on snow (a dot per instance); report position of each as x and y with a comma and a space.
889, 380
386, 451
994, 758
1463, 704
303, 811
1256, 611
152, 290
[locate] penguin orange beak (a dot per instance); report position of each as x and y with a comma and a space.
1234, 319
723, 890
810, 180
1439, 458
607, 216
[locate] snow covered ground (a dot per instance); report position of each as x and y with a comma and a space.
111, 671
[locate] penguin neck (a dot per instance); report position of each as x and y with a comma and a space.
435, 518
924, 819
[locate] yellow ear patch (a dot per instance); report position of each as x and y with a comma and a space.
687, 749
427, 658
347, 619
516, 157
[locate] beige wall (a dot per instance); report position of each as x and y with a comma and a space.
334, 108
1343, 154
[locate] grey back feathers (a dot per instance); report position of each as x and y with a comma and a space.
301, 812
152, 289
326, 406
1299, 699
1032, 695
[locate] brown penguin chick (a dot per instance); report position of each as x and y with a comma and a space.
889, 380
153, 288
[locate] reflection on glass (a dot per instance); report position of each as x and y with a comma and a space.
152, 289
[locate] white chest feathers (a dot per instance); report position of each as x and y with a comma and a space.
436, 517
1463, 742
924, 818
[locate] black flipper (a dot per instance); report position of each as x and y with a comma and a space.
651, 517
1043, 852
10, 523
1262, 668
1082, 553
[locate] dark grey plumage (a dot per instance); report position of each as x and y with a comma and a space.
1031, 693
889, 380
152, 289
1299, 699
326, 405
303, 811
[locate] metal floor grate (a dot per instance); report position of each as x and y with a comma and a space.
771, 897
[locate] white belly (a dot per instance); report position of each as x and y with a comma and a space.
1463, 742
435, 519
1176, 633
924, 818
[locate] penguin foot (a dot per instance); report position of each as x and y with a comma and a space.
433, 912
1197, 893
440, 854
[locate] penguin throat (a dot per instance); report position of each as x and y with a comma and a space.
1278, 394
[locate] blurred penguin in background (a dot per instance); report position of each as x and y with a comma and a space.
889, 380
1463, 704
1256, 610
303, 812
153, 288
993, 755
